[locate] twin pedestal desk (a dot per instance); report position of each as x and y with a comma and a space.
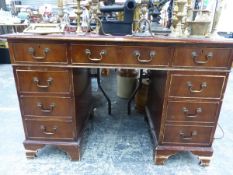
188, 81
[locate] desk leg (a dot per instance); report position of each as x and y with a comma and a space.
105, 95
135, 91
71, 148
162, 153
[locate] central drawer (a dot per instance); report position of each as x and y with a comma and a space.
46, 106
49, 130
187, 135
41, 81
151, 56
94, 54
196, 86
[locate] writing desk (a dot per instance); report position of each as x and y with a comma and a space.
188, 80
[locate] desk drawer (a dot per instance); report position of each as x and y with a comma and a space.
40, 129
153, 56
43, 81
46, 106
39, 53
196, 86
189, 111
199, 57
183, 135
83, 54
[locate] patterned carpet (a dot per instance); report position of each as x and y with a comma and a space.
113, 145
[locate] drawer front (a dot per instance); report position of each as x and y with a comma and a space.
196, 86
39, 53
184, 135
198, 57
93, 54
46, 106
39, 81
39, 129
152, 56
188, 111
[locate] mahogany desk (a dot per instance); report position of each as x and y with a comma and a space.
188, 81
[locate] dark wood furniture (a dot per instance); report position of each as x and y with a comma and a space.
188, 80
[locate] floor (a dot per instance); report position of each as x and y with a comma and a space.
113, 145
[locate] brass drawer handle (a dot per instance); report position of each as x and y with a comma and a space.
44, 130
102, 53
31, 51
137, 54
37, 82
185, 137
203, 86
188, 115
46, 110
207, 57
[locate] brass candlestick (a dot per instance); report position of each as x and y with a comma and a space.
79, 13
174, 17
179, 14
60, 11
136, 18
95, 11
189, 10
144, 26
188, 18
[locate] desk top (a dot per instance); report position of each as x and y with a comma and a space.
125, 39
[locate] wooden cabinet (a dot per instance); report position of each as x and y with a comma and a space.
191, 102
48, 98
188, 80
190, 97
